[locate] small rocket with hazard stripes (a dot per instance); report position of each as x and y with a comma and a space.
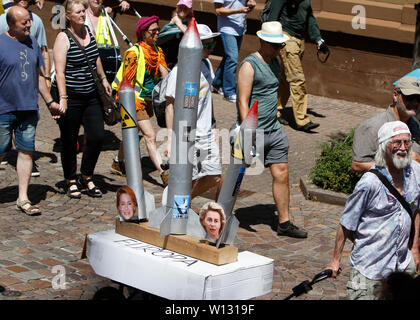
134, 175
243, 151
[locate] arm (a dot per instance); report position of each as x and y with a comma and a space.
54, 107
102, 76
163, 71
416, 243
224, 12
361, 167
340, 240
275, 10
245, 80
313, 29
46, 68
175, 19
61, 46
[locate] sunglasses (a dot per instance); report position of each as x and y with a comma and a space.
278, 45
209, 45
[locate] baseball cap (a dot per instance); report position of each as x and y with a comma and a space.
187, 3
408, 85
391, 129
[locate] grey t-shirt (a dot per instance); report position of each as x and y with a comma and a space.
365, 142
37, 28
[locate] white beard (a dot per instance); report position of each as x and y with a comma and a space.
401, 163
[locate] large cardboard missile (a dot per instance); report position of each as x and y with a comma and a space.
177, 217
130, 137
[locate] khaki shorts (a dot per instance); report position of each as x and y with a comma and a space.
146, 111
361, 288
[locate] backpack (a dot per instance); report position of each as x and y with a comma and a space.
266, 11
159, 101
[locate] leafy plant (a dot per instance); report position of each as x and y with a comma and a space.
332, 170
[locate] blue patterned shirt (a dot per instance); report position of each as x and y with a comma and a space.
380, 223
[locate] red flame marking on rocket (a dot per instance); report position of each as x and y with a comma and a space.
125, 84
251, 119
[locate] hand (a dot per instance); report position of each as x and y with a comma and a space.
244, 10
251, 4
175, 19
62, 108
40, 3
124, 6
55, 110
107, 87
108, 10
319, 44
335, 267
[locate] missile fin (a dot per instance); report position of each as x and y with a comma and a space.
165, 225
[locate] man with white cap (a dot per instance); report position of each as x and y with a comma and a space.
405, 103
384, 233
207, 169
258, 80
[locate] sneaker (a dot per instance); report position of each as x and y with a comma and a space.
218, 90
165, 177
4, 162
35, 172
118, 168
291, 231
309, 127
231, 98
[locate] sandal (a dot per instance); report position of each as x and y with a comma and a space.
30, 211
75, 192
93, 192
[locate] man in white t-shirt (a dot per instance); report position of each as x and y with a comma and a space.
207, 169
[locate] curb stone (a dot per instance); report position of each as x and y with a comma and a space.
312, 192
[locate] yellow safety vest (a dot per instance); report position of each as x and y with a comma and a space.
100, 36
141, 69
1, 8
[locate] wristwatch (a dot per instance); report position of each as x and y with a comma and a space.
49, 103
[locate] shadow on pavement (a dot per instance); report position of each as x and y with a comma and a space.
254, 215
36, 193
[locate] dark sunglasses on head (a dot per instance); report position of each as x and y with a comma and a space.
278, 45
209, 45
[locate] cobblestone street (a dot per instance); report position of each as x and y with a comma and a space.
34, 249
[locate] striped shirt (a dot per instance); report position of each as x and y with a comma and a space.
79, 79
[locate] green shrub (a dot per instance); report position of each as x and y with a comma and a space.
332, 171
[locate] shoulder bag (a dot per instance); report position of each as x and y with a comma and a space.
111, 110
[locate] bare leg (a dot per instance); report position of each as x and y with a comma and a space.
281, 192
201, 185
23, 169
145, 126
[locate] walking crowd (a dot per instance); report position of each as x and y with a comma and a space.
381, 217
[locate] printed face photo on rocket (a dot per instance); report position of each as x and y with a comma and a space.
127, 205
212, 218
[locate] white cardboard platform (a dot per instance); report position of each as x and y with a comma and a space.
175, 276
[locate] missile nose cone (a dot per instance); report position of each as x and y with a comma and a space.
125, 84
191, 38
251, 120
193, 26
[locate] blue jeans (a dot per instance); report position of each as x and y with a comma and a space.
23, 124
226, 73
